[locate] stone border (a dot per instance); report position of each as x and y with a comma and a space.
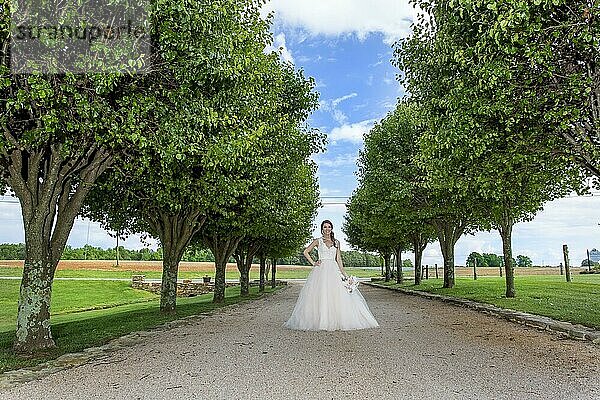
13, 378
567, 329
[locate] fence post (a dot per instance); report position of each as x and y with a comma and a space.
567, 268
475, 270
426, 271
588, 260
436, 272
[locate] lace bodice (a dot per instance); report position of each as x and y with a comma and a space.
326, 253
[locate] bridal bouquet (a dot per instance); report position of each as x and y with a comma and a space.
351, 283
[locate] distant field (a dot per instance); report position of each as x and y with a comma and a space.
125, 265
153, 270
195, 270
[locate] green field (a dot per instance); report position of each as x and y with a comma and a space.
577, 302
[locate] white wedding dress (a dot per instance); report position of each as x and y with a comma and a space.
325, 304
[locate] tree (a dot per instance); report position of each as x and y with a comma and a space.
476, 259
283, 225
364, 228
499, 164
589, 263
524, 261
391, 151
429, 77
275, 153
53, 148
547, 52
195, 108
389, 181
284, 197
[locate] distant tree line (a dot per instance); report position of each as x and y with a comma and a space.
593, 264
16, 251
494, 260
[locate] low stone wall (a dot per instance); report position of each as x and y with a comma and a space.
187, 287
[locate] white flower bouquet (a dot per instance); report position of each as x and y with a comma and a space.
351, 283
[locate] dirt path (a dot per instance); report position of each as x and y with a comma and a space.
423, 350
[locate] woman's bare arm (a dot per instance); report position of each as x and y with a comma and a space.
308, 250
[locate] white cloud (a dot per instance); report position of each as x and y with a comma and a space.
320, 84
279, 46
339, 17
331, 106
339, 116
337, 101
339, 160
351, 132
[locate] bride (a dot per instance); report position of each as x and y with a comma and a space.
324, 303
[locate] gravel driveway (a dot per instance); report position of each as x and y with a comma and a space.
423, 350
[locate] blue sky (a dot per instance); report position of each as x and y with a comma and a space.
346, 46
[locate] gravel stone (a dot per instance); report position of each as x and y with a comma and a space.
423, 349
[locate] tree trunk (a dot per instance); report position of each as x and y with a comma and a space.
399, 272
448, 234
509, 268
245, 278
418, 247
243, 256
219, 288
263, 267
240, 260
448, 254
33, 316
168, 288
267, 269
222, 249
51, 191
175, 232
387, 261
273, 272
418, 261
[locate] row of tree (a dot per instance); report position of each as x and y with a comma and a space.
501, 117
201, 140
16, 251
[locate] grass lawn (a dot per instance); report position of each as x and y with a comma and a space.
71, 296
576, 302
74, 330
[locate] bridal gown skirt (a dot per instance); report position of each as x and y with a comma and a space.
325, 304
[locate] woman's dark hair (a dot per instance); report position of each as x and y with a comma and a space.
332, 235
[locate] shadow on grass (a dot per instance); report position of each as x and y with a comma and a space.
75, 332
